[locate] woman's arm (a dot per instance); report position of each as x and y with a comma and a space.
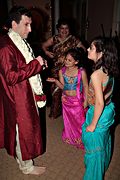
46, 45
85, 86
60, 82
99, 100
80, 45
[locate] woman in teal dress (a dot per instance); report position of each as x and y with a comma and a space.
100, 116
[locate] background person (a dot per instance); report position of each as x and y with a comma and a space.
55, 48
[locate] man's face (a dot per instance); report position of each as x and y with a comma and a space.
24, 26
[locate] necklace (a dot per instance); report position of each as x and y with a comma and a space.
27, 52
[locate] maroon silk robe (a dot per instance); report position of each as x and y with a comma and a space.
17, 102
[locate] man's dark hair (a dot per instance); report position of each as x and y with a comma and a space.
15, 14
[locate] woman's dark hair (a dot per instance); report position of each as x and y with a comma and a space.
78, 54
15, 14
109, 59
62, 21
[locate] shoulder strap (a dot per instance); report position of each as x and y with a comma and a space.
78, 83
63, 70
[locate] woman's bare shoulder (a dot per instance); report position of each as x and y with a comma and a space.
97, 75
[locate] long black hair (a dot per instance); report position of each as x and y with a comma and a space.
109, 59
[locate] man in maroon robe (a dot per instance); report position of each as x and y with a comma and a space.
20, 132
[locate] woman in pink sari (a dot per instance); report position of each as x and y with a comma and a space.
73, 81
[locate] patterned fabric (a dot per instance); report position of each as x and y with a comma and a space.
73, 117
108, 86
59, 49
70, 82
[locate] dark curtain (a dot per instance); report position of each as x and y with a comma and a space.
3, 11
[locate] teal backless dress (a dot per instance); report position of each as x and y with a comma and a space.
98, 143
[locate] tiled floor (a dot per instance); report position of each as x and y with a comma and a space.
63, 161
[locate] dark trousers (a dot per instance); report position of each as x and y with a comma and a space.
42, 114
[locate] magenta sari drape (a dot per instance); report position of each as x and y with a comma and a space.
73, 117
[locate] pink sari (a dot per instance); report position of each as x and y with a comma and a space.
73, 116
